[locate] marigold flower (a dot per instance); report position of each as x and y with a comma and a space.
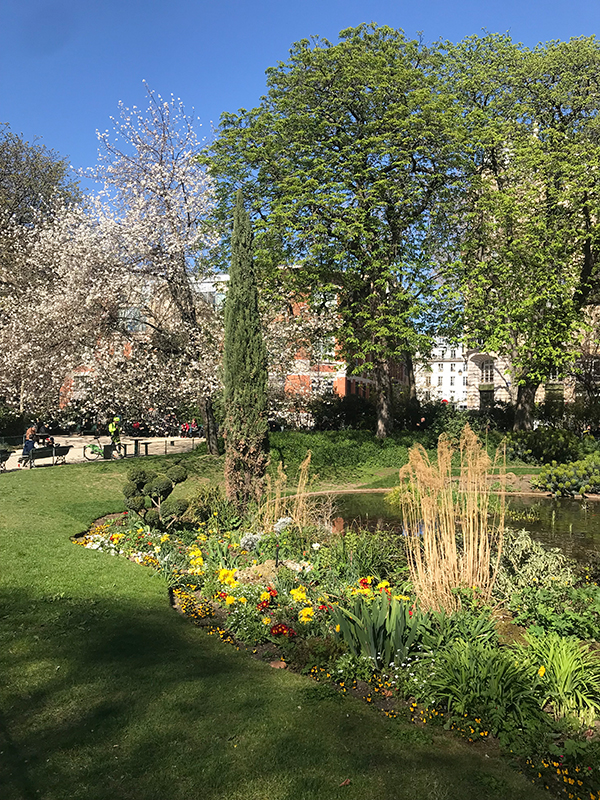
542, 671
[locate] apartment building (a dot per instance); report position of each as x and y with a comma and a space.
444, 376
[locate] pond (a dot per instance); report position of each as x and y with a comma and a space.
571, 525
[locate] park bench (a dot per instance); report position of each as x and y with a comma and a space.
4, 456
58, 454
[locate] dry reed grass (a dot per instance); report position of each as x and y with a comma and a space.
305, 510
454, 535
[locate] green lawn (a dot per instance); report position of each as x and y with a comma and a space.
106, 692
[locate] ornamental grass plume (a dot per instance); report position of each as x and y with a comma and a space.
454, 535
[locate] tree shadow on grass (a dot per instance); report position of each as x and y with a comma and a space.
129, 700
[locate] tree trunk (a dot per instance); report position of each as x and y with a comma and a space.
413, 406
383, 389
210, 426
525, 405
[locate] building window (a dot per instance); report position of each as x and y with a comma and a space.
442, 354
487, 371
452, 367
440, 367
452, 380
465, 382
452, 353
440, 380
428, 380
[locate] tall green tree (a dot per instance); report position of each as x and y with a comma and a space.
528, 212
31, 178
344, 162
244, 371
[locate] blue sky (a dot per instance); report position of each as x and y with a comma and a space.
65, 64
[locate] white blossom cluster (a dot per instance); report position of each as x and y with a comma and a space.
102, 294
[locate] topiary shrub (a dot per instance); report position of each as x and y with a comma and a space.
159, 488
174, 507
130, 489
152, 518
144, 484
138, 476
136, 503
177, 474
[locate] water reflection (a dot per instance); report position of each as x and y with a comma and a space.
571, 525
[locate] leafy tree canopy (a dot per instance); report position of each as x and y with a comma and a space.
31, 176
344, 161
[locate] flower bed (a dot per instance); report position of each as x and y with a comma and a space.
340, 608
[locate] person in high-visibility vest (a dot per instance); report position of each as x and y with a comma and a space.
114, 429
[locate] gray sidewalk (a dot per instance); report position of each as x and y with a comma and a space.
156, 446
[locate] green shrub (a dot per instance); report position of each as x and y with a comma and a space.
360, 552
137, 476
569, 675
474, 680
130, 489
579, 477
177, 473
159, 488
152, 518
210, 504
173, 507
441, 629
560, 608
136, 503
542, 446
525, 563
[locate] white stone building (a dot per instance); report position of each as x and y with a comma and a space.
444, 376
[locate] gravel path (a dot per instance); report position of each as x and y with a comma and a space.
157, 446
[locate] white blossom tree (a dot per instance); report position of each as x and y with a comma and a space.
128, 254
162, 198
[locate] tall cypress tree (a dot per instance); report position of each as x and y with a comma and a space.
244, 371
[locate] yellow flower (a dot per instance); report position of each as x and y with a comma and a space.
542, 671
227, 576
242, 600
164, 538
299, 594
337, 628
401, 597
306, 614
266, 620
229, 600
383, 585
265, 596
